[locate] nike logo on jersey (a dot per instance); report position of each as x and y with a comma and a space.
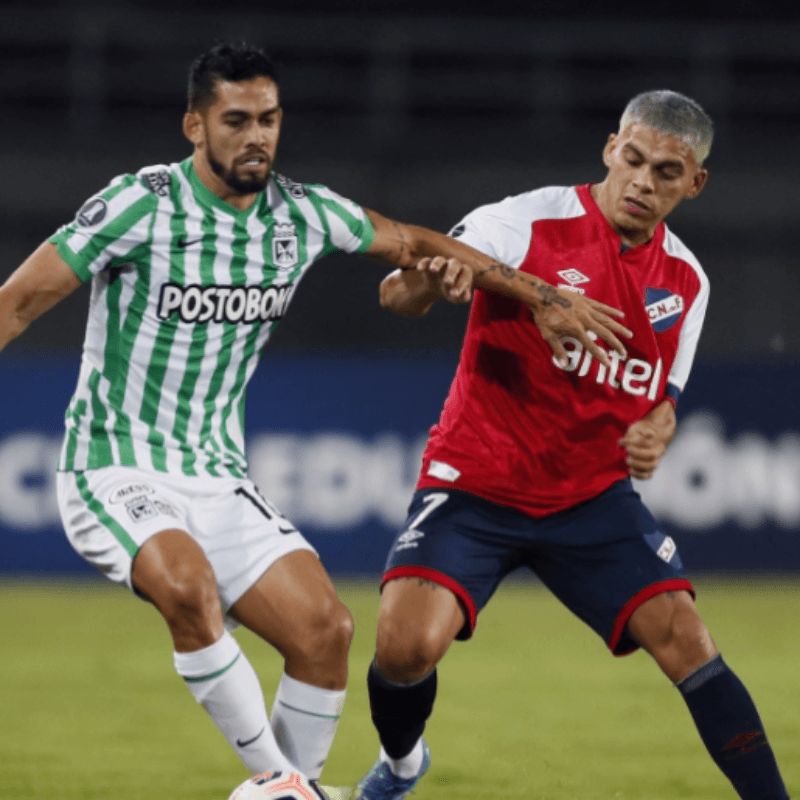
240, 743
188, 243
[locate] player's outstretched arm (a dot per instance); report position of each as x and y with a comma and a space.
41, 281
412, 292
556, 313
646, 441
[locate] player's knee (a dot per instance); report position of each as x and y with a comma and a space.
685, 644
405, 654
189, 595
329, 633
690, 636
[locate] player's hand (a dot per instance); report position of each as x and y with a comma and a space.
563, 313
451, 278
646, 441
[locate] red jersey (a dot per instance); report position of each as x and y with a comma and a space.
516, 428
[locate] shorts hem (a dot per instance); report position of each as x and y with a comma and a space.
615, 645
236, 589
462, 595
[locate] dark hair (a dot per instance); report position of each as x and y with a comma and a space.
226, 61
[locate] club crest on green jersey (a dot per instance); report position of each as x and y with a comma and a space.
284, 245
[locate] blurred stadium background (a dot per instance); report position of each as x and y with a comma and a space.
421, 109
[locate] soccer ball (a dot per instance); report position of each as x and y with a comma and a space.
278, 786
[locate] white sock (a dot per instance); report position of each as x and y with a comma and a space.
304, 721
223, 681
407, 766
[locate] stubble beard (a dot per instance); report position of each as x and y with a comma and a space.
233, 181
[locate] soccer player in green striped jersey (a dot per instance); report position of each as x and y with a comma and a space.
192, 265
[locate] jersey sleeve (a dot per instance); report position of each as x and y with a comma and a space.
689, 337
503, 230
107, 226
347, 226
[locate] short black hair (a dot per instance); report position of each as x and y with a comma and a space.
226, 61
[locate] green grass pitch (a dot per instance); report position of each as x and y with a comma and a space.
533, 707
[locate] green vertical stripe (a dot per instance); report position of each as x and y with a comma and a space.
96, 507
194, 362
327, 244
74, 414
230, 335
165, 336
100, 444
129, 331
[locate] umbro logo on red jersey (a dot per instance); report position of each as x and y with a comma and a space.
572, 277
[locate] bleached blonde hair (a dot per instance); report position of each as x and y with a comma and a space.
674, 114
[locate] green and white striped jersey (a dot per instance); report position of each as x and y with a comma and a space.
185, 293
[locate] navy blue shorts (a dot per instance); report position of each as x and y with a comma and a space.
602, 558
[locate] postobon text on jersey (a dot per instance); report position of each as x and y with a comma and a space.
214, 303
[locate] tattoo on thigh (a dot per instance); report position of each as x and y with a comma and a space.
427, 582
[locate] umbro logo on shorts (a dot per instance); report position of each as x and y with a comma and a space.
407, 540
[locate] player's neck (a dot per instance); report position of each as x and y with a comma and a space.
218, 187
629, 237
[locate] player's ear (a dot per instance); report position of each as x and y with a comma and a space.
698, 182
193, 127
609, 149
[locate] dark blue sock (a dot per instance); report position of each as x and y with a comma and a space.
399, 711
731, 730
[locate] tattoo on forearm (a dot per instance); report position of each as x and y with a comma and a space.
549, 294
508, 273
402, 240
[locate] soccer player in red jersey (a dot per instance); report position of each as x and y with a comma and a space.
530, 463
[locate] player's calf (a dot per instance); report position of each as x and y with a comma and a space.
670, 629
732, 731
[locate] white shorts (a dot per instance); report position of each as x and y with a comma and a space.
109, 513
